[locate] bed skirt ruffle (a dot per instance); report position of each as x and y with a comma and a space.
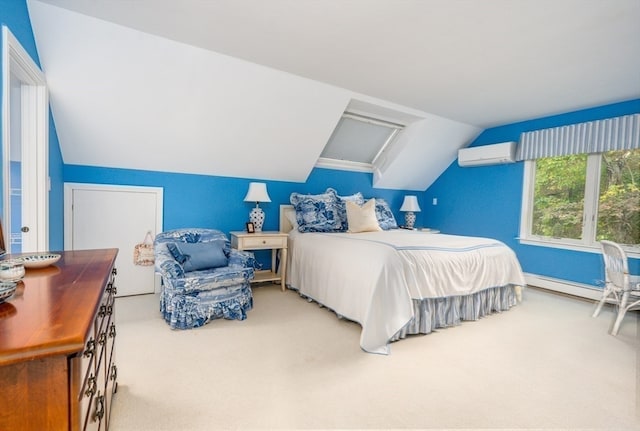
434, 313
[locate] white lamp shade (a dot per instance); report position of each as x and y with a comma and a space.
410, 203
257, 193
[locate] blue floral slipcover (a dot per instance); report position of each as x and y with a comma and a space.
191, 299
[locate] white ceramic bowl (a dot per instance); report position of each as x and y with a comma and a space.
7, 289
39, 260
11, 270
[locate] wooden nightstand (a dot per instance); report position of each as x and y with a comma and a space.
265, 240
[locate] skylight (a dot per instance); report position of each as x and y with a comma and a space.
357, 141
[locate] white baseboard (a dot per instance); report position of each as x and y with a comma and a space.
563, 286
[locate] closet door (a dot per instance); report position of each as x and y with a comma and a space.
98, 216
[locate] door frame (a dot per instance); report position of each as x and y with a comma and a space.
35, 143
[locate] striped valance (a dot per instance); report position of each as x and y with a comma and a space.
612, 134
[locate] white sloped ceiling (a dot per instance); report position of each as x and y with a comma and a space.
128, 99
421, 153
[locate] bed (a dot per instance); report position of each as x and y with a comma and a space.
399, 282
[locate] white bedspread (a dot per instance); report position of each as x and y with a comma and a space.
372, 277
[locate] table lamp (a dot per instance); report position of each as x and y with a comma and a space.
410, 207
257, 193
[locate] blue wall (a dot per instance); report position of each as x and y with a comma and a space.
14, 14
486, 201
213, 201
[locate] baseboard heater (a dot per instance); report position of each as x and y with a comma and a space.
563, 286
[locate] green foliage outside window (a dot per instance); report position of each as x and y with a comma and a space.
560, 191
559, 196
619, 202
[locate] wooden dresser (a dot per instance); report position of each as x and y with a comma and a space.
57, 346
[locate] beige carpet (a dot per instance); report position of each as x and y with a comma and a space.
545, 364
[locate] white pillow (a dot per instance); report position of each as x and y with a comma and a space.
362, 218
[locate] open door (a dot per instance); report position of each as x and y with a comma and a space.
25, 150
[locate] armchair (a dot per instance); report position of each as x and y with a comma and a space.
191, 298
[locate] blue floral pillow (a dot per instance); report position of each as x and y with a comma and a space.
385, 217
356, 198
318, 213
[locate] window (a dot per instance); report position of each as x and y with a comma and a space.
357, 142
619, 198
580, 199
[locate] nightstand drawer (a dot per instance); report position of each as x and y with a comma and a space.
263, 242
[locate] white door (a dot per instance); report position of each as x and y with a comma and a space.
99, 216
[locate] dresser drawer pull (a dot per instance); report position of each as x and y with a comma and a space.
114, 372
102, 338
114, 271
99, 412
102, 311
91, 349
112, 330
109, 287
109, 310
91, 390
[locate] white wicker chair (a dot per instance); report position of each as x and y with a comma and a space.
624, 288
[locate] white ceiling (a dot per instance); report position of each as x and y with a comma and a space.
254, 88
481, 62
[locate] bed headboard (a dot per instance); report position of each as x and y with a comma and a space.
285, 224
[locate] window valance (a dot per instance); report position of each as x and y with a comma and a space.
619, 133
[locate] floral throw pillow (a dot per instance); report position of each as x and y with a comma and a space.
385, 217
318, 213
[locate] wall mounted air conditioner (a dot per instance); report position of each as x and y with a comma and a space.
495, 154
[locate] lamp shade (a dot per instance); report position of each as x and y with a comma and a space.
257, 193
410, 203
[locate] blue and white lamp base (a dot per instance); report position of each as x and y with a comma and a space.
256, 216
409, 219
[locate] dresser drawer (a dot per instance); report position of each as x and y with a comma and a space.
98, 374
